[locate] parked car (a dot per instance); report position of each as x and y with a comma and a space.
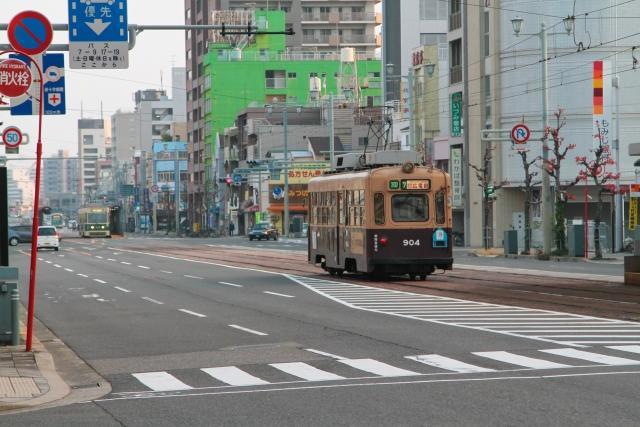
14, 239
23, 232
48, 237
263, 230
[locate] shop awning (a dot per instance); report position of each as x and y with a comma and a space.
292, 208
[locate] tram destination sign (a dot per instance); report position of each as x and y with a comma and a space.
409, 184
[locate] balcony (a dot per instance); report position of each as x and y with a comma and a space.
358, 39
455, 21
455, 74
358, 17
275, 83
315, 40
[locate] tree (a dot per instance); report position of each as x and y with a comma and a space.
596, 169
553, 168
489, 188
529, 184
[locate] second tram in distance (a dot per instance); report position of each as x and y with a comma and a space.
381, 214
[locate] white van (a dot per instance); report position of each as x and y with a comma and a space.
48, 237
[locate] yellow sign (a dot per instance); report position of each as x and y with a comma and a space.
633, 213
301, 173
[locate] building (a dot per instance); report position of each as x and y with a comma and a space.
168, 157
323, 26
91, 149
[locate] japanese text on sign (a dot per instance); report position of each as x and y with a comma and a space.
456, 176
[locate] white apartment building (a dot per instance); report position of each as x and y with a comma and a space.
91, 149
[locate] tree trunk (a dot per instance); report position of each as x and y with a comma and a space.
527, 224
485, 233
558, 228
596, 230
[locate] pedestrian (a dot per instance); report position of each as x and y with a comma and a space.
232, 228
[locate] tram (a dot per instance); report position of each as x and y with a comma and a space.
381, 214
94, 221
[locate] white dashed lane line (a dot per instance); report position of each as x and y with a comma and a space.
99, 281
144, 267
111, 259
125, 263
69, 270
48, 262
57, 266
166, 272
193, 313
279, 295
155, 301
99, 257
230, 284
193, 277
82, 275
251, 331
126, 291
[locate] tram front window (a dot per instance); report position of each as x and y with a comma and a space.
410, 207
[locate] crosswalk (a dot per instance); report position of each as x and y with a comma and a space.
541, 325
366, 368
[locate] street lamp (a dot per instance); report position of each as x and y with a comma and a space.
547, 214
285, 123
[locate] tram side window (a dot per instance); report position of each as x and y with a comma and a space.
378, 208
440, 207
410, 207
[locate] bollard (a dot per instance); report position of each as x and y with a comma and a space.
15, 317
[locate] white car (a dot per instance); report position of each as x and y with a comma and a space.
48, 238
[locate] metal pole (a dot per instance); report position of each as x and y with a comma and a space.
412, 143
285, 122
4, 219
176, 192
618, 204
332, 147
547, 214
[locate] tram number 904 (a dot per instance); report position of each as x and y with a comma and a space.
411, 242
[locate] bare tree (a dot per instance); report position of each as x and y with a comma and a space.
553, 168
596, 170
529, 185
483, 174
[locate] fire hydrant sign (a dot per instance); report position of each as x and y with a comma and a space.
15, 78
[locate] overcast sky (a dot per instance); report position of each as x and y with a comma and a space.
155, 52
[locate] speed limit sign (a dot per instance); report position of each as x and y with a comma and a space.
12, 137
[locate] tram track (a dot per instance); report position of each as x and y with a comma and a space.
573, 296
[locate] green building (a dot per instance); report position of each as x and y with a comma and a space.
264, 72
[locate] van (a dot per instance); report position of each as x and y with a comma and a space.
48, 238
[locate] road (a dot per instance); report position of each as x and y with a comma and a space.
191, 340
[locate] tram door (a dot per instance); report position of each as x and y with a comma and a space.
339, 214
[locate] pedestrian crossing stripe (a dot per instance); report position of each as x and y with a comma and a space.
305, 371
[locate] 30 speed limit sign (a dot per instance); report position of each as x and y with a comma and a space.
12, 137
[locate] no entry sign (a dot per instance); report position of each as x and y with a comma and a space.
30, 32
15, 78
12, 137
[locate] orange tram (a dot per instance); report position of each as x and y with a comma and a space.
381, 214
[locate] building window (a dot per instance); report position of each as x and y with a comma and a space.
292, 75
275, 79
486, 34
378, 208
433, 10
162, 114
456, 61
432, 39
87, 140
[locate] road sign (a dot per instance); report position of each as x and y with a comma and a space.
155, 189
520, 134
237, 179
98, 34
15, 77
30, 32
52, 66
12, 137
277, 193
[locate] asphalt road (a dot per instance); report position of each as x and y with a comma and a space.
190, 342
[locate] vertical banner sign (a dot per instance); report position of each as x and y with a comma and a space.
456, 176
602, 103
633, 213
52, 66
456, 114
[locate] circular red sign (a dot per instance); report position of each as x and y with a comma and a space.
15, 77
12, 137
520, 134
30, 32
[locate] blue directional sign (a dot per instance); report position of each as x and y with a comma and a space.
277, 192
98, 21
52, 66
237, 179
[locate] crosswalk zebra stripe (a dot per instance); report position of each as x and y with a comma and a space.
515, 359
306, 372
161, 381
377, 368
448, 364
629, 348
234, 376
592, 357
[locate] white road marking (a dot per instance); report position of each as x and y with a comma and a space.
161, 381
251, 331
99, 281
514, 359
48, 262
629, 348
69, 270
61, 256
127, 291
193, 277
166, 272
155, 301
231, 284
335, 356
592, 357
91, 296
111, 259
82, 275
99, 257
40, 259
447, 363
234, 376
279, 295
144, 267
116, 253
306, 372
193, 313
57, 266
377, 368
125, 263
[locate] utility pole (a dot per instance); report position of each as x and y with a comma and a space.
4, 218
285, 123
547, 213
176, 184
332, 146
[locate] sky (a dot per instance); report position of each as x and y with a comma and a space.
155, 53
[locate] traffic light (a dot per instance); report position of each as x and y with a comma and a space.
228, 180
489, 191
